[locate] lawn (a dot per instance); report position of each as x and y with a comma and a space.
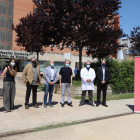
112, 96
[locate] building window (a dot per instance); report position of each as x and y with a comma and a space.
2, 7
2, 34
10, 10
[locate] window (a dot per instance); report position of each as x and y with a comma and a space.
10, 10
2, 7
3, 21
2, 34
9, 36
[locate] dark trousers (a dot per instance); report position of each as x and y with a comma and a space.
90, 95
101, 87
28, 92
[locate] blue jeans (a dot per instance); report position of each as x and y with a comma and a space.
48, 88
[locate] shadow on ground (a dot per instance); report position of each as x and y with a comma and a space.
15, 107
131, 107
38, 103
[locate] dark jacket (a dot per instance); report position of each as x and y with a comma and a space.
99, 75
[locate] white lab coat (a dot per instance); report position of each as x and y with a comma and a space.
85, 74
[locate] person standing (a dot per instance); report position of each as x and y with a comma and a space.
65, 78
9, 89
50, 78
87, 78
103, 76
75, 72
31, 76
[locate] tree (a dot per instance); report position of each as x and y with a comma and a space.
82, 23
107, 44
2, 63
46, 64
135, 41
77, 22
29, 34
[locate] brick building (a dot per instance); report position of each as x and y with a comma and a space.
10, 12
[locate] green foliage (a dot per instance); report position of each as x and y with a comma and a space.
2, 62
121, 75
76, 83
46, 64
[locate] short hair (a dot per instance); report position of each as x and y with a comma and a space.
103, 60
88, 61
33, 57
67, 60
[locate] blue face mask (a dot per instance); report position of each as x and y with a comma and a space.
12, 64
52, 64
88, 66
103, 65
67, 65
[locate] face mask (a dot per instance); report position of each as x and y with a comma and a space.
88, 66
12, 64
34, 62
52, 64
67, 65
103, 65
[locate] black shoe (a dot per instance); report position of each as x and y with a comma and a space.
91, 104
97, 104
104, 104
81, 104
69, 104
62, 105
45, 106
50, 105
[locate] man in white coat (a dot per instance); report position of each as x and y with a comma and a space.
87, 78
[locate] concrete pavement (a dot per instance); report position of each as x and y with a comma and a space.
21, 119
119, 128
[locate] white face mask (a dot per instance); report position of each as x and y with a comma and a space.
12, 64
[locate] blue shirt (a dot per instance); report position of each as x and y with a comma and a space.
75, 71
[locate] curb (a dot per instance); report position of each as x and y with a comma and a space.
64, 124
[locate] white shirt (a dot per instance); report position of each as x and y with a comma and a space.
52, 73
87, 74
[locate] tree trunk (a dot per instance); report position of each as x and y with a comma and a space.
80, 58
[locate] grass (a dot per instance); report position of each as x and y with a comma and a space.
38, 129
55, 126
112, 96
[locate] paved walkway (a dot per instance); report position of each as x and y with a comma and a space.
120, 128
21, 119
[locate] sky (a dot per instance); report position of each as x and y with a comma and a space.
130, 15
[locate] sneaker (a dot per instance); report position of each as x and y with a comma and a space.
81, 104
50, 105
91, 104
62, 105
45, 106
70, 104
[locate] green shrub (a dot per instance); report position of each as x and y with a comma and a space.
121, 75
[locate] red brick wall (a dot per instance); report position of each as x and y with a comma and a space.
21, 8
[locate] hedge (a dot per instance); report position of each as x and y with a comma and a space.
121, 75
